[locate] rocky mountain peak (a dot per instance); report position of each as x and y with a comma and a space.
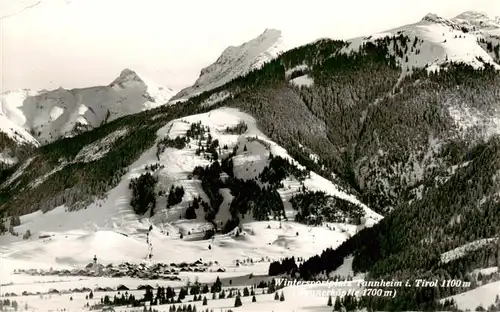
127, 78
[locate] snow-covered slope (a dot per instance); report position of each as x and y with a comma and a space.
483, 296
176, 166
11, 133
435, 41
12, 119
252, 149
61, 113
16, 136
485, 28
477, 21
14, 132
237, 61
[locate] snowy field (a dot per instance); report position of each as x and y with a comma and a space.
482, 296
67, 250
295, 300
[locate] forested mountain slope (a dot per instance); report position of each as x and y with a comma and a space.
386, 137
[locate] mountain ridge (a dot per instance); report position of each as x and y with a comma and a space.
236, 61
45, 116
222, 70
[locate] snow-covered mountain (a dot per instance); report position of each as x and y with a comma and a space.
236, 61
477, 21
436, 41
276, 171
50, 115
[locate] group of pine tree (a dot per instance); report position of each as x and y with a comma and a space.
7, 304
201, 293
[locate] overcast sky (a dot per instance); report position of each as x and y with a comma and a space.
80, 43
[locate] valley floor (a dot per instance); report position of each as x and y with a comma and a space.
68, 249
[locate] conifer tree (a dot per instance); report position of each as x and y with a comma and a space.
237, 302
182, 293
205, 289
271, 287
217, 285
337, 306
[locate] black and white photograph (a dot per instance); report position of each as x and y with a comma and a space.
249, 156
